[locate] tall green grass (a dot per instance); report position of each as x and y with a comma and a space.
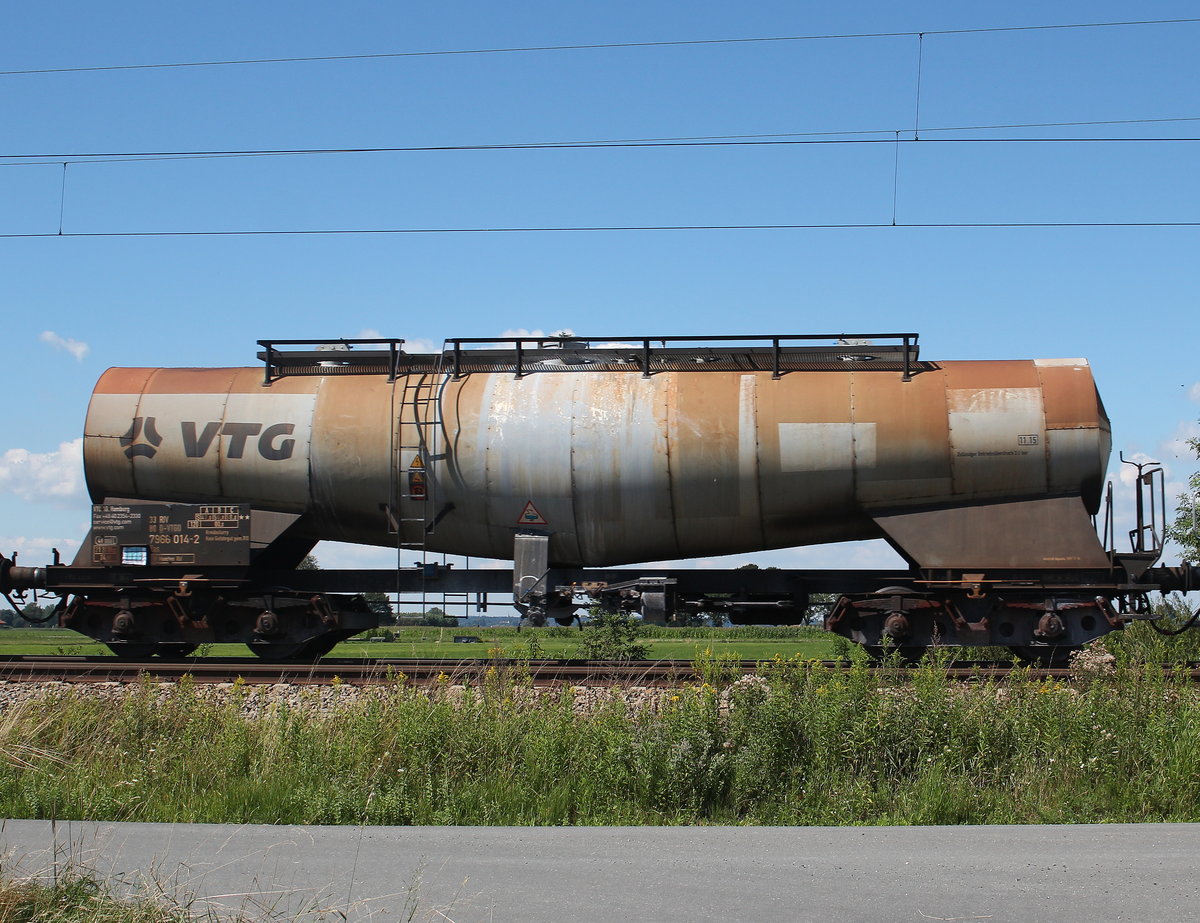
797, 744
77, 894
77, 898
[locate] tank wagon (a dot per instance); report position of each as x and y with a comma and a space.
574, 458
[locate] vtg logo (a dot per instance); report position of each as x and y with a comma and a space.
141, 426
143, 439
196, 444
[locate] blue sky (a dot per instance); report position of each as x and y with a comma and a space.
1125, 298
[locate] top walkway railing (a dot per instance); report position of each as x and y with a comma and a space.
525, 355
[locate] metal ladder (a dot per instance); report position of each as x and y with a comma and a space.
417, 441
416, 450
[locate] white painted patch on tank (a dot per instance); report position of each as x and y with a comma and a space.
620, 473
1055, 363
865, 442
259, 442
998, 440
275, 456
994, 400
530, 456
195, 447
826, 446
748, 475
107, 456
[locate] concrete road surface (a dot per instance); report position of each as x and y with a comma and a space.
828, 874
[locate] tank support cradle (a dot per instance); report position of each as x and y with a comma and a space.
532, 595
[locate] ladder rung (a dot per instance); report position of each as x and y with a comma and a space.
423, 393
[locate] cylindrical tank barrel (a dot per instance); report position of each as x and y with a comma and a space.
615, 467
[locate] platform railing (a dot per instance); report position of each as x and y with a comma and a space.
521, 355
904, 346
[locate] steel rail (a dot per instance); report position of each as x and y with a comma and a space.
80, 669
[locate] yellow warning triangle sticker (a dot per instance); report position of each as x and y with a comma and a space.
530, 516
417, 463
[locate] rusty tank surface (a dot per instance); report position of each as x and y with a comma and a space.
567, 455
613, 466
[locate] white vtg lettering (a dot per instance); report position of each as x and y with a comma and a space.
271, 444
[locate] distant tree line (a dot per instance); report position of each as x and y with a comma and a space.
29, 617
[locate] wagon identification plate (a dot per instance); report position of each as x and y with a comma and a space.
176, 533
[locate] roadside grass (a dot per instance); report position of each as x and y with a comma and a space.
81, 897
77, 898
795, 744
73, 893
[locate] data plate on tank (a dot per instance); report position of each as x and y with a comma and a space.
176, 533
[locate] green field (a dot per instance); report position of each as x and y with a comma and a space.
553, 643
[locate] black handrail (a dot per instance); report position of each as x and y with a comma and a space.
273, 370
517, 352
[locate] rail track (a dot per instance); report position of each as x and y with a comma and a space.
100, 669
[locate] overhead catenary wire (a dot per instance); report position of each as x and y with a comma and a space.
893, 136
62, 198
58, 156
861, 225
917, 92
593, 46
895, 179
781, 139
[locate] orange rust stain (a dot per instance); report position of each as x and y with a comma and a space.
123, 381
1071, 400
199, 381
1016, 373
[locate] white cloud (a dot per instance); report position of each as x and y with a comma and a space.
56, 476
1127, 474
1194, 392
1178, 460
538, 332
76, 348
1176, 445
33, 552
416, 345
